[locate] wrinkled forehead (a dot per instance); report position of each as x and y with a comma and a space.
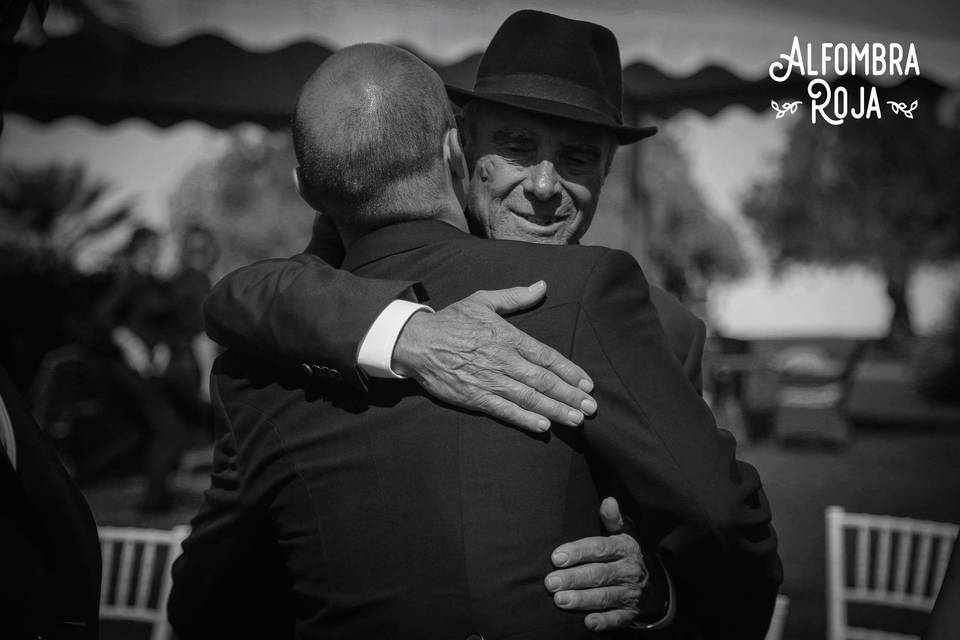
488, 119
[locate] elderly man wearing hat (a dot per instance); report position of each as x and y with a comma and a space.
541, 126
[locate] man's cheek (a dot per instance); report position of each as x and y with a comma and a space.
484, 170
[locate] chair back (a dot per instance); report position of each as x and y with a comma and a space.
136, 574
895, 562
779, 619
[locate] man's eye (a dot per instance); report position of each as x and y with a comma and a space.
516, 147
580, 159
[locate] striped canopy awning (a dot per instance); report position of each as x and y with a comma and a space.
224, 62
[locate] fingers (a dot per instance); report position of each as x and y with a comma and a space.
552, 360
475, 359
596, 574
540, 391
552, 386
601, 599
610, 620
595, 549
509, 412
511, 300
610, 515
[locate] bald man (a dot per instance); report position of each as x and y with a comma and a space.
390, 515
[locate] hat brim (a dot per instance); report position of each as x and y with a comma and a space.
623, 133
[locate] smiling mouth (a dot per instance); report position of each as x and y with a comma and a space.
541, 221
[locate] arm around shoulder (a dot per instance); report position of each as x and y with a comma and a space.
298, 310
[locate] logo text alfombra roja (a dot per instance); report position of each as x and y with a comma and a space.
835, 103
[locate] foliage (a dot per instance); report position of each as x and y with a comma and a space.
879, 193
675, 235
48, 214
937, 364
866, 192
246, 197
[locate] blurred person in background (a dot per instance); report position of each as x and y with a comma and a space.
153, 331
50, 582
189, 371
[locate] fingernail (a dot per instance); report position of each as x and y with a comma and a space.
536, 285
586, 385
554, 583
560, 558
575, 416
589, 406
543, 424
593, 624
562, 599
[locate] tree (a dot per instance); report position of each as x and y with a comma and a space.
676, 237
49, 214
246, 197
878, 193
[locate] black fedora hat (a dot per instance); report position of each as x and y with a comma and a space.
547, 64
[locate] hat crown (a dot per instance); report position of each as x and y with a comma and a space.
546, 64
581, 55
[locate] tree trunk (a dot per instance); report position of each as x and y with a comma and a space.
901, 328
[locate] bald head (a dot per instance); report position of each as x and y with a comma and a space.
368, 133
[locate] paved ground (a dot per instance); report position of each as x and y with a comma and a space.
890, 471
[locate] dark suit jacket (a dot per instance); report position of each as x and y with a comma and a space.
50, 567
306, 310
945, 617
396, 516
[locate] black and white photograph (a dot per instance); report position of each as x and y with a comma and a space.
462, 320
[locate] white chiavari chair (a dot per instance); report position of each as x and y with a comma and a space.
779, 619
896, 562
136, 574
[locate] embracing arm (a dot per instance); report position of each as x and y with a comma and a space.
298, 310
678, 472
303, 311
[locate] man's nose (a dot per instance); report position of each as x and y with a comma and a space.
543, 181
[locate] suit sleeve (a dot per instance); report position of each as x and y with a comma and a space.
704, 509
230, 566
298, 310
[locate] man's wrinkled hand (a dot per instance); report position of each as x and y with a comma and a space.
468, 356
603, 574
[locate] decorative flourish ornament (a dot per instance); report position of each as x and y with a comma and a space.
788, 107
901, 107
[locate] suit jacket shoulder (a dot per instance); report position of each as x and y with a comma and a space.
51, 584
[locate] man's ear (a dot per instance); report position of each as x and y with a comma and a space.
301, 186
296, 180
456, 162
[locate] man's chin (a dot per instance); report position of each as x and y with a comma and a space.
540, 232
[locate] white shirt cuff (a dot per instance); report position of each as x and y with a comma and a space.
376, 349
